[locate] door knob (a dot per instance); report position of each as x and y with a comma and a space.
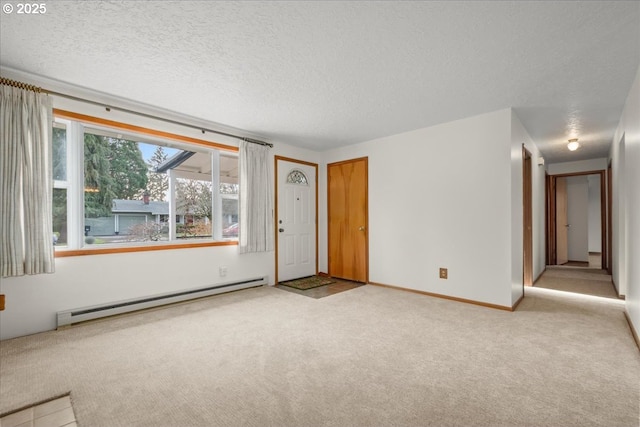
281, 230
361, 228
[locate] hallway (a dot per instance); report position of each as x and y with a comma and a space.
581, 280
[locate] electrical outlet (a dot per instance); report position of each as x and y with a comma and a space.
222, 271
444, 273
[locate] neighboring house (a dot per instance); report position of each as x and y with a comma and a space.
127, 213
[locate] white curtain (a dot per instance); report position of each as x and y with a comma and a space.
256, 207
26, 183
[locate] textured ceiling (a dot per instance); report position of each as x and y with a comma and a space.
326, 74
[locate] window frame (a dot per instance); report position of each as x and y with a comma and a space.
75, 123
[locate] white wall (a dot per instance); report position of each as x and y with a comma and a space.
577, 217
577, 166
520, 136
620, 215
450, 188
457, 186
619, 212
595, 214
33, 301
626, 204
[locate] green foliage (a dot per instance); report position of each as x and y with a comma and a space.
113, 169
98, 182
60, 214
127, 168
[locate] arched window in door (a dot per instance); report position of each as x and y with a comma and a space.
296, 176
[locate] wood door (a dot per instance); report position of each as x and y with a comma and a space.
562, 241
296, 219
527, 220
348, 219
550, 219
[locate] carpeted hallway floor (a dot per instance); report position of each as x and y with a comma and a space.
587, 281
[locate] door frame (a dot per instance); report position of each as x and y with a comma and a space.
527, 218
552, 256
275, 222
550, 220
366, 213
609, 219
562, 223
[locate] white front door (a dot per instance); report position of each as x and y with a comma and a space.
296, 220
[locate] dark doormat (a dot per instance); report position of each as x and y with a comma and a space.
307, 282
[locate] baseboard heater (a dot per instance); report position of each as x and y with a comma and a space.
69, 317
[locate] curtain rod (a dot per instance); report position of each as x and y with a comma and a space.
21, 85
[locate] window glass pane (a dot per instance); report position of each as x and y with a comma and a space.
297, 177
59, 216
141, 228
59, 152
115, 181
157, 182
126, 190
194, 208
229, 192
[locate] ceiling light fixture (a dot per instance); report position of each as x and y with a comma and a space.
573, 144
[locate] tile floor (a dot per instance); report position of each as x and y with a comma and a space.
54, 413
324, 291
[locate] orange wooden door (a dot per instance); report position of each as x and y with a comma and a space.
348, 215
562, 236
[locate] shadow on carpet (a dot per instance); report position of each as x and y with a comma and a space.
307, 282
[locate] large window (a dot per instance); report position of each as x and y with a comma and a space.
117, 188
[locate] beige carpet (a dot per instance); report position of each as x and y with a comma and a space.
370, 356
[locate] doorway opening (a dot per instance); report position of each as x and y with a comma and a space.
576, 220
577, 250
